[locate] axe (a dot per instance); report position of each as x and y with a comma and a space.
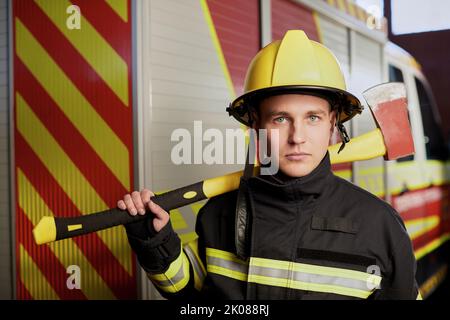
392, 139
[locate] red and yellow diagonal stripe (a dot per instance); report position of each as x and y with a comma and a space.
350, 7
73, 143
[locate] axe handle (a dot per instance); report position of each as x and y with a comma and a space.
367, 146
49, 229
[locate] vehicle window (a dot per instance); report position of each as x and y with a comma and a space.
396, 75
434, 141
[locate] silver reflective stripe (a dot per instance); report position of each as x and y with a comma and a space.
310, 278
195, 263
292, 275
172, 281
230, 265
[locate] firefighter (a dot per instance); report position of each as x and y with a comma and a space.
300, 233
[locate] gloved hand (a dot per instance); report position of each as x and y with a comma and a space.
152, 239
140, 203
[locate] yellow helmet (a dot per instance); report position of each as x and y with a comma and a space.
295, 64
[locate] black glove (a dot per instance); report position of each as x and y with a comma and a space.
155, 250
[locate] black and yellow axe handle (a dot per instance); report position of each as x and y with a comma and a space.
366, 146
57, 228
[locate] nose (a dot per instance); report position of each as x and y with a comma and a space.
297, 134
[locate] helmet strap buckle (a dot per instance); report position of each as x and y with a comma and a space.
342, 132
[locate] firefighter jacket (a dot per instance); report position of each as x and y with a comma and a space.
313, 237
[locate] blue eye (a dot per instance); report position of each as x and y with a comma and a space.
280, 119
314, 118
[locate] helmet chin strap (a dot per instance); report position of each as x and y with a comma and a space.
242, 229
342, 132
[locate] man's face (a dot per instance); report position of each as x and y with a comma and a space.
305, 125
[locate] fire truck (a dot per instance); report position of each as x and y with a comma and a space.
92, 90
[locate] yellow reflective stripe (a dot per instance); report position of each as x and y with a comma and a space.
226, 264
108, 64
344, 174
73, 104
175, 278
292, 274
431, 246
293, 284
419, 296
436, 172
120, 7
199, 270
69, 178
66, 251
278, 282
307, 286
33, 279
420, 226
211, 252
432, 282
227, 272
193, 245
314, 269
290, 278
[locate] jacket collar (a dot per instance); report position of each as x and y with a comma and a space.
289, 189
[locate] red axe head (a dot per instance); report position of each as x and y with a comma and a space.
388, 105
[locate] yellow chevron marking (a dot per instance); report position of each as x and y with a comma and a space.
218, 47
71, 180
433, 281
196, 207
351, 8
360, 13
120, 7
318, 26
331, 2
66, 251
77, 109
33, 279
74, 227
188, 237
108, 64
177, 220
423, 251
341, 5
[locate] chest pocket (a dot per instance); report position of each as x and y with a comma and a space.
337, 224
341, 273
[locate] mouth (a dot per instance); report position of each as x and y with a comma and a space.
297, 156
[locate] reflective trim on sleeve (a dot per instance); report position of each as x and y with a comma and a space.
191, 250
419, 296
175, 278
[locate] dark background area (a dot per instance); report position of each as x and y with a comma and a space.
432, 51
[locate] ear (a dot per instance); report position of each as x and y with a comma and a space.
332, 121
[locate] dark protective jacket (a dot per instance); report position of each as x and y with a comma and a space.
314, 237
